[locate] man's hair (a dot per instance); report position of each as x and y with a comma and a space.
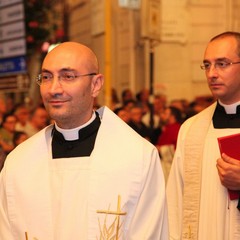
176, 113
236, 35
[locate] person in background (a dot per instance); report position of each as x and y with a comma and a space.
86, 176
123, 114
142, 99
19, 137
9, 101
197, 190
171, 120
2, 158
37, 121
136, 123
126, 96
129, 104
3, 108
159, 104
7, 130
22, 114
115, 103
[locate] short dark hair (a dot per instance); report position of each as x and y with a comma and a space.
236, 35
5, 118
17, 135
176, 113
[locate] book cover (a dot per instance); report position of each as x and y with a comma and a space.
230, 145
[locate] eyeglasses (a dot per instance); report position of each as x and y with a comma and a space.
64, 78
217, 65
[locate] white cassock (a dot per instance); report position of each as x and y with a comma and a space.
219, 219
62, 199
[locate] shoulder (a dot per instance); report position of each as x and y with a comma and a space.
112, 127
31, 148
207, 112
36, 138
196, 122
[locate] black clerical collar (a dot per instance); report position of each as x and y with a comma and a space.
223, 120
73, 134
83, 146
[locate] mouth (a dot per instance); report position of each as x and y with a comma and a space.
56, 102
215, 85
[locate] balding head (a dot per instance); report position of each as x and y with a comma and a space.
70, 82
74, 52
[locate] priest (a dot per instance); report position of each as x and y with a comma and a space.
88, 175
199, 182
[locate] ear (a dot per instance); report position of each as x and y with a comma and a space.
97, 83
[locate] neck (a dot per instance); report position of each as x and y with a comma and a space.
72, 134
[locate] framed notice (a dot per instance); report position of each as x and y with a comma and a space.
151, 19
174, 24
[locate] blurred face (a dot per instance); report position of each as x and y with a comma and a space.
40, 118
22, 115
145, 95
21, 139
136, 114
224, 83
165, 116
124, 115
10, 123
127, 96
70, 104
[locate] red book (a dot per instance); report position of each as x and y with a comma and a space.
230, 145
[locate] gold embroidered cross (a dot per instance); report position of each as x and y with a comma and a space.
26, 236
118, 213
189, 235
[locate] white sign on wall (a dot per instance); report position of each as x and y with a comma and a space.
11, 13
12, 30
13, 48
4, 3
174, 21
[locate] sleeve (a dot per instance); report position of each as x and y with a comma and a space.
150, 217
5, 228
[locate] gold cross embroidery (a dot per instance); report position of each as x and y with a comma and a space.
118, 213
26, 236
189, 235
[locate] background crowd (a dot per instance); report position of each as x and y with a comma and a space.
154, 118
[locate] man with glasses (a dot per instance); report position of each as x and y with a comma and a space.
88, 175
197, 191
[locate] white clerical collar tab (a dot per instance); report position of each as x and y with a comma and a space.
231, 108
73, 134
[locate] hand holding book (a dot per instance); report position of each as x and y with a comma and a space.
230, 145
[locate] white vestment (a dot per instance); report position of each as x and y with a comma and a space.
62, 199
218, 218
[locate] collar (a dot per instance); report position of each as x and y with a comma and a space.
74, 134
230, 108
222, 119
83, 146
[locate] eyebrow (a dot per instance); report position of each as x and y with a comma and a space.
45, 70
61, 70
67, 70
217, 60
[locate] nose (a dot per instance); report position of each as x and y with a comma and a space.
212, 72
55, 87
